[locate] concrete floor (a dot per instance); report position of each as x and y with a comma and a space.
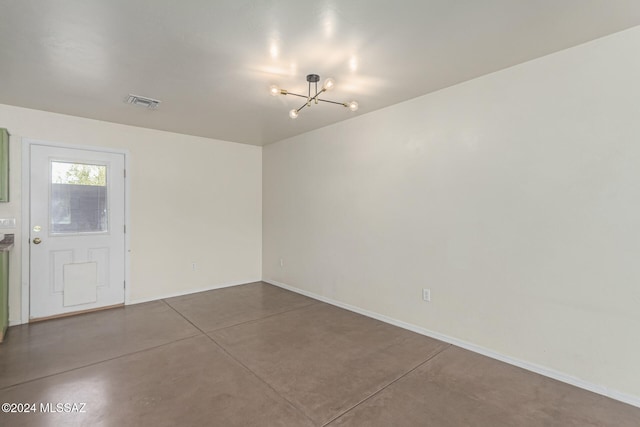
259, 355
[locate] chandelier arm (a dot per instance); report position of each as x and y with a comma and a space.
344, 104
295, 94
303, 105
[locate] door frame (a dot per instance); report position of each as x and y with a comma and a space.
26, 211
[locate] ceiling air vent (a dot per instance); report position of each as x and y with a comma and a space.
142, 101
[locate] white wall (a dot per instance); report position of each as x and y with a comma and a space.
192, 200
514, 197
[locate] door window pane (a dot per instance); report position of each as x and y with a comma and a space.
78, 198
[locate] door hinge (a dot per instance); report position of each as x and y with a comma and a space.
125, 229
125, 172
124, 283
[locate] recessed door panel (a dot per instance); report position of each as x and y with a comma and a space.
101, 257
58, 259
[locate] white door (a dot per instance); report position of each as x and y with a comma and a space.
77, 245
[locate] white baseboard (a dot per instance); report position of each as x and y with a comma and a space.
542, 370
190, 291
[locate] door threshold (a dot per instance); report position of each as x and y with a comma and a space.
74, 313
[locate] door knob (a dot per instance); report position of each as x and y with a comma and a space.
37, 241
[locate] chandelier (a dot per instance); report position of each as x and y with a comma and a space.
313, 79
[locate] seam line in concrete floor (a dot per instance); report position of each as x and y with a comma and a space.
244, 322
271, 387
103, 361
387, 385
242, 364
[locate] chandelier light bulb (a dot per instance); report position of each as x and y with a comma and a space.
274, 90
293, 114
353, 106
329, 83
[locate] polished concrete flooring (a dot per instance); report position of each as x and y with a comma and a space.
257, 355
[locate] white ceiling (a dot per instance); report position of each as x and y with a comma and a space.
211, 62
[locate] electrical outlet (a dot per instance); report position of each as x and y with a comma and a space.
194, 266
281, 262
426, 295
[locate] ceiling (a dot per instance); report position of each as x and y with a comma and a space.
211, 62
